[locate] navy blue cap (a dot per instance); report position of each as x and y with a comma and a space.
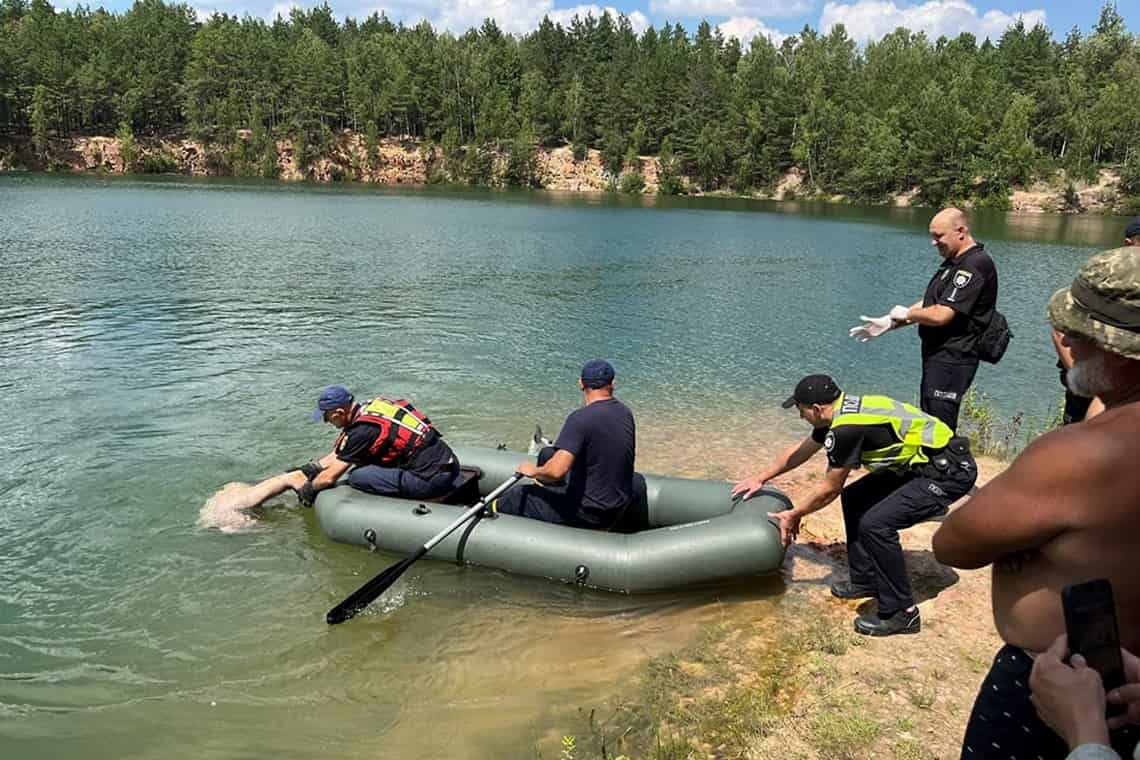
1132, 231
597, 373
333, 397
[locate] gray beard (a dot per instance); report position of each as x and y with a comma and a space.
1089, 377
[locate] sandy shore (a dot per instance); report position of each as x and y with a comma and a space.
802, 684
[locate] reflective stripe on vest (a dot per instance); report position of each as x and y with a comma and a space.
403, 429
917, 432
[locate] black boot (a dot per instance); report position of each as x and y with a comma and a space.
903, 621
848, 590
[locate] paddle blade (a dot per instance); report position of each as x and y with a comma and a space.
366, 594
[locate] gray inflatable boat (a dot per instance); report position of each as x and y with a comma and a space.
678, 533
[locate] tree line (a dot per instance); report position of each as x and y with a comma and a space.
952, 118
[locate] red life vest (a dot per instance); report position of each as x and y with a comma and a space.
403, 430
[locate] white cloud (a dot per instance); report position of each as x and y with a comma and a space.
744, 29
638, 20
518, 16
281, 9
871, 19
731, 8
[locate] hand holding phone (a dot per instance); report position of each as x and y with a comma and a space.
1090, 624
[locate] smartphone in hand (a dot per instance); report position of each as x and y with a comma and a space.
1090, 623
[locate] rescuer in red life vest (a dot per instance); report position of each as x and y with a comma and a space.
387, 447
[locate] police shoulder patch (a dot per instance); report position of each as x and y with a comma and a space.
962, 278
829, 441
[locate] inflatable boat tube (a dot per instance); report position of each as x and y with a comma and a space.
679, 532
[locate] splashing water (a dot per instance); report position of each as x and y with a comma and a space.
228, 509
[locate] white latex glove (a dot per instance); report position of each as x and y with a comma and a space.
898, 313
872, 327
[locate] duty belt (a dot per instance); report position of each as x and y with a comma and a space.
954, 456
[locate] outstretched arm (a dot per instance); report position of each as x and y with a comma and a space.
789, 459
820, 497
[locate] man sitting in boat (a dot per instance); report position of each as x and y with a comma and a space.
392, 448
918, 468
593, 455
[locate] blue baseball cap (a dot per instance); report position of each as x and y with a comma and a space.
332, 397
597, 373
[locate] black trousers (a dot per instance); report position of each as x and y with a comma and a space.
877, 506
552, 503
943, 386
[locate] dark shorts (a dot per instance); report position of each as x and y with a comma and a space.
1004, 723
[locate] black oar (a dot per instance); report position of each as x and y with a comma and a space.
364, 595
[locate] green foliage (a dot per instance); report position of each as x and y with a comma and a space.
1130, 177
710, 157
669, 180
1070, 199
128, 149
40, 122
371, 145
521, 168
613, 151
632, 183
993, 435
452, 169
479, 164
954, 118
158, 162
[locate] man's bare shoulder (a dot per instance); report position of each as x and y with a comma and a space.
1086, 456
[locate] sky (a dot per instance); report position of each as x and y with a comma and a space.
865, 19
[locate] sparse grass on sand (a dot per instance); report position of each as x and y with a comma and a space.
801, 683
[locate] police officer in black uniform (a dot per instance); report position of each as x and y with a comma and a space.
952, 316
917, 469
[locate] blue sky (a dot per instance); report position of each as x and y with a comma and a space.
864, 19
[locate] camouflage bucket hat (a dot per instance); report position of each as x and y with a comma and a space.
1103, 303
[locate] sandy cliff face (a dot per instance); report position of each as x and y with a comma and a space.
410, 162
398, 162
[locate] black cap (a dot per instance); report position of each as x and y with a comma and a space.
813, 389
1132, 231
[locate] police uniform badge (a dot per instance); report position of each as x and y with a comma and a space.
829, 441
962, 278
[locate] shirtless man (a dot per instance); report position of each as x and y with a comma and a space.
1067, 510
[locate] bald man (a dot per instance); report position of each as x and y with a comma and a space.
951, 317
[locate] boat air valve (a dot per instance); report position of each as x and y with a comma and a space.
581, 573
370, 538
421, 509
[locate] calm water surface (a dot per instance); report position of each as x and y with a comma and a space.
159, 339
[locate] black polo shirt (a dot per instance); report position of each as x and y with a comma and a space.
967, 284
845, 444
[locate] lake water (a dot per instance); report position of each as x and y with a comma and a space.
160, 338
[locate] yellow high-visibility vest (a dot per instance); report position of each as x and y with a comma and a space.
917, 432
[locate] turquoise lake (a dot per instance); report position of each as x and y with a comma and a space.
160, 338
